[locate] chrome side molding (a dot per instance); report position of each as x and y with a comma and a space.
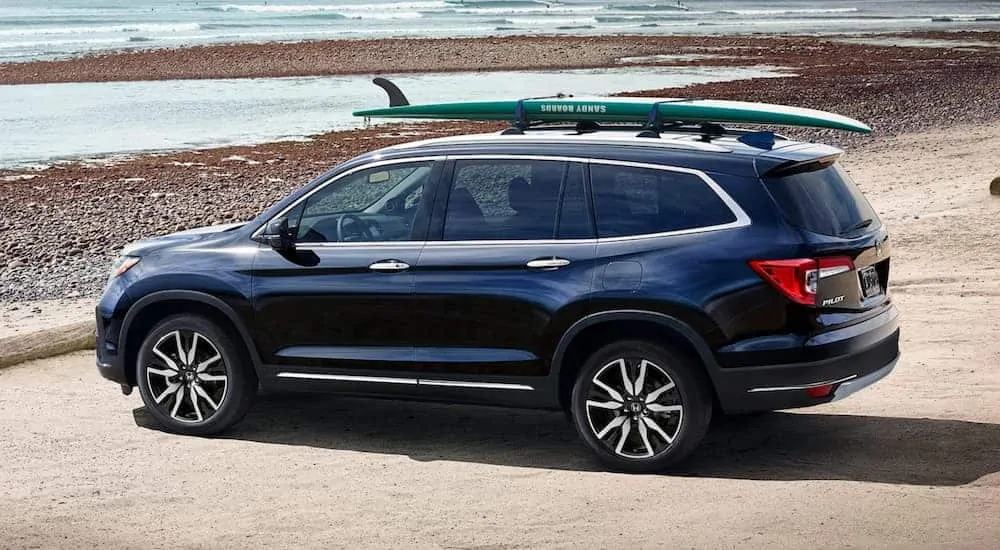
405, 381
346, 378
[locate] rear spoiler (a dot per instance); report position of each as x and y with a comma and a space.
796, 159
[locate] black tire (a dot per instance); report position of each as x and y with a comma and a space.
199, 380
681, 412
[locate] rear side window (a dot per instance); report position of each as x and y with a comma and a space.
823, 201
638, 201
500, 199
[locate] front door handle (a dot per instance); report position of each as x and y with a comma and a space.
548, 263
389, 266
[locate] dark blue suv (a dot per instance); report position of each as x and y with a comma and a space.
640, 284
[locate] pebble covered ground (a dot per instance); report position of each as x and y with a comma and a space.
61, 227
337, 57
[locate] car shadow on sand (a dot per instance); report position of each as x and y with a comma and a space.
773, 446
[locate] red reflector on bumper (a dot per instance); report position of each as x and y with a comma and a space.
820, 391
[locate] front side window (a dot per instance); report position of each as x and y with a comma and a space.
641, 201
501, 199
376, 204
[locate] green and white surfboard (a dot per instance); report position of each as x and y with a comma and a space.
623, 110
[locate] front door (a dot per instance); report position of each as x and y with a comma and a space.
510, 262
337, 304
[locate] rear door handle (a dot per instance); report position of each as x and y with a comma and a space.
389, 266
548, 263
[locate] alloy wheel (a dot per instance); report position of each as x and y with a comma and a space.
188, 378
634, 408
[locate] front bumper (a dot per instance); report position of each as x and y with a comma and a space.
109, 362
110, 313
853, 359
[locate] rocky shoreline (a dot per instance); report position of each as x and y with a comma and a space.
62, 226
340, 57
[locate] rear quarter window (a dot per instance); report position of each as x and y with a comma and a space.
825, 201
631, 200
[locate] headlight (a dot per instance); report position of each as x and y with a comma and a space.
123, 264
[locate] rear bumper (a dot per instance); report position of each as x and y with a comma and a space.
855, 357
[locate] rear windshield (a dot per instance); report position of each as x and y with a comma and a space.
823, 201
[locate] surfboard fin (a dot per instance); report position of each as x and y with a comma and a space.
396, 96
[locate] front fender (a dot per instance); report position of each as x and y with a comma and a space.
129, 345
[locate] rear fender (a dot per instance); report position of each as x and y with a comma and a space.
670, 323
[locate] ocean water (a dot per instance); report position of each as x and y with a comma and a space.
45, 123
38, 29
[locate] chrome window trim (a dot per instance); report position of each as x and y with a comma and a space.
513, 242
742, 219
668, 140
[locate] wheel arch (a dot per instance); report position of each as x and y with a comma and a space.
153, 308
599, 329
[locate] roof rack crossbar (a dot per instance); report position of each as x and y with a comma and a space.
521, 120
654, 124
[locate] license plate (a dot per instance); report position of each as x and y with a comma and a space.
870, 285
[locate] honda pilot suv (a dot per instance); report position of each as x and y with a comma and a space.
641, 284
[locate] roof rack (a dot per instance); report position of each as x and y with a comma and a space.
707, 131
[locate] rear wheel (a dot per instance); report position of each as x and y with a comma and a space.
641, 407
193, 378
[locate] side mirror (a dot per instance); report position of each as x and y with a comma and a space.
278, 235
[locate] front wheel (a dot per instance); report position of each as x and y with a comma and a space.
641, 407
193, 378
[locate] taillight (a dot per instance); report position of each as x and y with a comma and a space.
798, 279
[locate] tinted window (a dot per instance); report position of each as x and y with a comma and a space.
639, 201
377, 204
514, 200
824, 201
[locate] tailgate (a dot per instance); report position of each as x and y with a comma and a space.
840, 228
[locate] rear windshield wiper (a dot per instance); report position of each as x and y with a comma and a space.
860, 225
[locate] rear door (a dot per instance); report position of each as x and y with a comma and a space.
840, 227
510, 262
